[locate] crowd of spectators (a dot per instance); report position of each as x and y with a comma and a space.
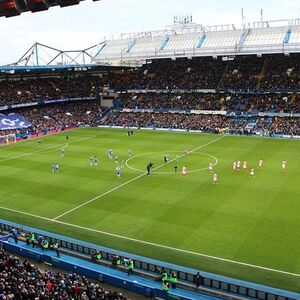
19, 279
247, 73
61, 115
242, 73
274, 72
187, 101
206, 122
181, 73
281, 72
288, 103
31, 90
289, 126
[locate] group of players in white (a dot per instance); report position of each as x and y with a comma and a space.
236, 167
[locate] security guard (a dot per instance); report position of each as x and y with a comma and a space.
55, 248
45, 245
173, 280
165, 285
130, 267
97, 256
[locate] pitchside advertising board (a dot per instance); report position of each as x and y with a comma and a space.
13, 121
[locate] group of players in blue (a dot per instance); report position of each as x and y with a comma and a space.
115, 157
94, 161
55, 166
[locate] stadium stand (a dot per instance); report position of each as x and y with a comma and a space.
22, 280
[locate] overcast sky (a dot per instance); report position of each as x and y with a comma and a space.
83, 25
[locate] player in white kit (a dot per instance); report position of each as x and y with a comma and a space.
215, 178
283, 166
210, 167
234, 166
260, 163
252, 172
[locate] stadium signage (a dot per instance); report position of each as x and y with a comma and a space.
6, 107
67, 99
165, 91
42, 101
177, 111
23, 105
209, 112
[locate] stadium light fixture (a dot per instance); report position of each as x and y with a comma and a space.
8, 8
38, 5
11, 8
64, 3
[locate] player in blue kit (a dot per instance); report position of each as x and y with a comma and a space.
118, 171
116, 159
110, 153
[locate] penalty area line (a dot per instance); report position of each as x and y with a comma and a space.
55, 147
132, 180
153, 244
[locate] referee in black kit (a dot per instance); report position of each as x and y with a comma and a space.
149, 168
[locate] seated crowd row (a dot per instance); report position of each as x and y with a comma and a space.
269, 72
206, 123
287, 103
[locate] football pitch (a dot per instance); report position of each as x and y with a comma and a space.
244, 227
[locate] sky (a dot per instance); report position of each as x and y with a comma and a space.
86, 24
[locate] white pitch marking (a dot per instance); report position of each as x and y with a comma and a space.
44, 149
131, 180
152, 244
154, 172
15, 145
31, 141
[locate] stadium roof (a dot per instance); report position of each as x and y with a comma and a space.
190, 40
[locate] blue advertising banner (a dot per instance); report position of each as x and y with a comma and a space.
13, 121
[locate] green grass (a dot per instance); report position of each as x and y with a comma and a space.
251, 220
